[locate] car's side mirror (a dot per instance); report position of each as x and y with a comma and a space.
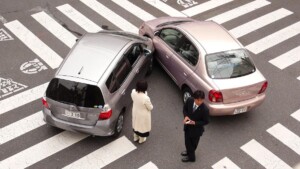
156, 33
147, 52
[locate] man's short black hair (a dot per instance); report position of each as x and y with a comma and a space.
199, 94
141, 86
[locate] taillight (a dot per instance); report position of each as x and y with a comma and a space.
44, 101
263, 88
106, 113
215, 96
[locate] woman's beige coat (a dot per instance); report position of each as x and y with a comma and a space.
141, 112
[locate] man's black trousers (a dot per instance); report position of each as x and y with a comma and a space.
191, 144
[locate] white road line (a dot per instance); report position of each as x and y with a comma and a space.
298, 78
34, 43
204, 7
287, 58
79, 18
165, 8
239, 11
286, 136
263, 156
42, 150
21, 127
110, 15
260, 22
55, 28
104, 155
149, 165
135, 10
296, 115
22, 98
274, 39
225, 163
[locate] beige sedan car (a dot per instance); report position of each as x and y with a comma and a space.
204, 55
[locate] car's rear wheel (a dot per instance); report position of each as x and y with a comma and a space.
119, 125
186, 93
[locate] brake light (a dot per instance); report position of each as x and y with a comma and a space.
263, 88
45, 103
106, 113
215, 96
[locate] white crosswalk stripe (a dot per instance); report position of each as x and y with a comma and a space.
149, 165
225, 163
55, 28
260, 22
34, 43
287, 59
165, 8
195, 10
263, 156
21, 127
108, 154
78, 18
110, 15
286, 136
274, 39
239, 11
296, 115
135, 10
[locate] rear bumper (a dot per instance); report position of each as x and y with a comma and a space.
102, 128
229, 109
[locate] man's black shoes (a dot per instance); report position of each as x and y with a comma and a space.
184, 153
186, 159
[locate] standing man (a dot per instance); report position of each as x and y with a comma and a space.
196, 115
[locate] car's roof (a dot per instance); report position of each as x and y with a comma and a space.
213, 37
92, 55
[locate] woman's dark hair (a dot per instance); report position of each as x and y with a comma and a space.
199, 94
141, 86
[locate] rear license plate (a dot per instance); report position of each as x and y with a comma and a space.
240, 110
75, 115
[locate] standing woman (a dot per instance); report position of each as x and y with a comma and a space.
141, 112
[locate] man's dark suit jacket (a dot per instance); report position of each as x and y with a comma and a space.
200, 116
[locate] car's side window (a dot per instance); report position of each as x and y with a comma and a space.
118, 75
188, 51
134, 53
171, 37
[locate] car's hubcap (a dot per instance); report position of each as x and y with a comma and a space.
120, 123
186, 95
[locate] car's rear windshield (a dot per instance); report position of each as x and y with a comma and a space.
75, 93
229, 64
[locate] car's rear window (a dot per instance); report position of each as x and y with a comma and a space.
229, 64
75, 93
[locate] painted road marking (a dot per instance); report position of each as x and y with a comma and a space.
239, 11
42, 150
274, 39
22, 98
32, 67
21, 127
186, 3
149, 165
165, 8
296, 115
104, 155
260, 22
8, 86
79, 18
286, 136
135, 10
225, 163
55, 28
110, 15
287, 58
35, 44
263, 156
206, 6
4, 36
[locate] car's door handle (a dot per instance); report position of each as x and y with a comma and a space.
167, 56
137, 71
123, 92
184, 74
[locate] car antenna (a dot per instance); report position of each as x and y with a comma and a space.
80, 70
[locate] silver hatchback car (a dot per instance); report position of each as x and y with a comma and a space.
204, 55
91, 89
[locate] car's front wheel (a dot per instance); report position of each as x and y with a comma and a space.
186, 93
119, 125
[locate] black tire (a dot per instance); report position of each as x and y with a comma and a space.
150, 67
186, 93
119, 125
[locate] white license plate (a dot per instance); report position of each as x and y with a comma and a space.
240, 110
71, 114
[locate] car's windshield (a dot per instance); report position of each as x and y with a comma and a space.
229, 64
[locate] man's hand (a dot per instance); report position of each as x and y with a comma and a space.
188, 121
